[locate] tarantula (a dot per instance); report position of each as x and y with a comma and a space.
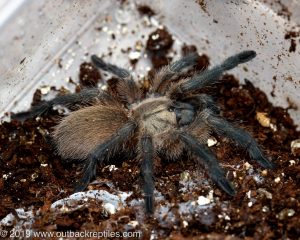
172, 117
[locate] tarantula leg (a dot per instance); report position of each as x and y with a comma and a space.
166, 73
186, 61
89, 172
241, 137
216, 172
84, 97
211, 76
127, 89
104, 151
119, 72
147, 172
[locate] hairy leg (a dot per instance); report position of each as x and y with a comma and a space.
104, 151
204, 154
163, 76
84, 97
147, 172
241, 137
119, 72
128, 89
211, 76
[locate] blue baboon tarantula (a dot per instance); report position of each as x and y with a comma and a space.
170, 118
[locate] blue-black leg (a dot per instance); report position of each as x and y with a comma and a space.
209, 160
241, 137
89, 172
128, 89
211, 76
185, 62
147, 172
119, 72
104, 151
84, 97
166, 73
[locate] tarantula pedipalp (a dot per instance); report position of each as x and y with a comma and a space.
170, 118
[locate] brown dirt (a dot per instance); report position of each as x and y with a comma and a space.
89, 76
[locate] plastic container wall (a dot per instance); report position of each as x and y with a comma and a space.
40, 34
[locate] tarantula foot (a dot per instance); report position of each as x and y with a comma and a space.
21, 116
35, 111
226, 186
246, 56
149, 204
264, 162
98, 62
81, 186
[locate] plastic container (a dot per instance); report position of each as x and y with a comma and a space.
43, 43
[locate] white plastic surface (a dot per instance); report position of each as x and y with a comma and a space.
39, 33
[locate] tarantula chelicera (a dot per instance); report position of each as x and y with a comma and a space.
170, 118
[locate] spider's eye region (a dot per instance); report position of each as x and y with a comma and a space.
171, 109
185, 113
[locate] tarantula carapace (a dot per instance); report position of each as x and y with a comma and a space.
170, 118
